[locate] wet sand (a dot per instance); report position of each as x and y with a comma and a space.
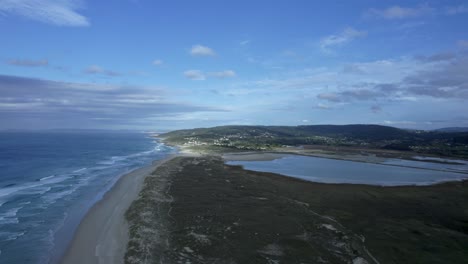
102, 235
254, 156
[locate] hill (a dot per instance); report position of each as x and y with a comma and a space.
362, 136
452, 129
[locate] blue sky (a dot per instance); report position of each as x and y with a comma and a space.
137, 64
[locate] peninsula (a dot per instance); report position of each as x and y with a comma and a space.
194, 208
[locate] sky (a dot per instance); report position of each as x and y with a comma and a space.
163, 65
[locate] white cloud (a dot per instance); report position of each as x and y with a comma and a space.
455, 10
244, 42
158, 62
56, 12
398, 12
347, 35
95, 69
199, 50
223, 74
194, 75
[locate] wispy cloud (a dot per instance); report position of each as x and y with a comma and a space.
332, 97
200, 50
399, 12
359, 94
376, 109
195, 75
411, 25
353, 69
323, 106
28, 63
158, 62
95, 69
56, 12
244, 42
347, 35
455, 10
198, 75
223, 74
442, 56
463, 44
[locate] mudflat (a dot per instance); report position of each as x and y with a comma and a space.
199, 210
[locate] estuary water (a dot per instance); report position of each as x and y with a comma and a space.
392, 172
48, 181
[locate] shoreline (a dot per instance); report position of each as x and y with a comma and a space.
102, 235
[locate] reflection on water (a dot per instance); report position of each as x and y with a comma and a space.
390, 173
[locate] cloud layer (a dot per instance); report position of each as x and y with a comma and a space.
441, 75
95, 69
28, 63
77, 104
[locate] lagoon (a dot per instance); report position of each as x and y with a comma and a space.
391, 173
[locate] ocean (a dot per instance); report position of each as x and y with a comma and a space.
49, 180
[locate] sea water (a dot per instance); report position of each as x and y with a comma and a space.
392, 172
48, 181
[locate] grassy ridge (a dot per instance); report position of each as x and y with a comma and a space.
198, 210
453, 144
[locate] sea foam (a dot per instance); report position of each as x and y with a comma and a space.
54, 176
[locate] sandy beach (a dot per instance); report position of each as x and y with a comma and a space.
102, 235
